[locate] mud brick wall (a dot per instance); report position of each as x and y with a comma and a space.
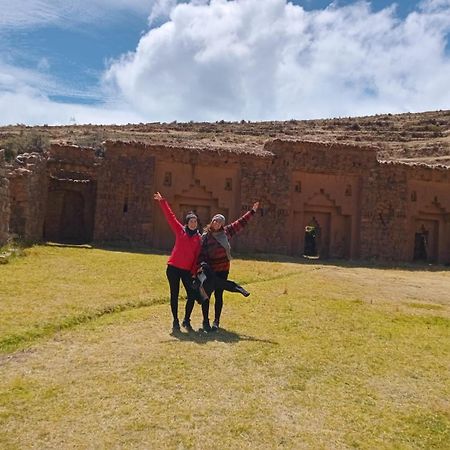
71, 200
428, 204
124, 195
322, 168
28, 196
395, 197
371, 209
384, 213
221, 181
4, 201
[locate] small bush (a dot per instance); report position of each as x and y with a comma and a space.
25, 142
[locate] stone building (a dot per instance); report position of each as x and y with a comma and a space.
320, 199
4, 201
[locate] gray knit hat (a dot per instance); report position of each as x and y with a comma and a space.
219, 218
190, 215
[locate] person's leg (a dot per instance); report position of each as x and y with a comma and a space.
173, 276
191, 296
218, 298
231, 286
205, 312
208, 286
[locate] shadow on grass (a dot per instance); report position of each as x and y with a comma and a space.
269, 257
225, 336
367, 264
111, 247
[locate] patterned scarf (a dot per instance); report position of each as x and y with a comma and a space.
222, 239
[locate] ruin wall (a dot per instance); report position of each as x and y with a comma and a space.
28, 187
187, 178
367, 209
396, 198
308, 180
4, 201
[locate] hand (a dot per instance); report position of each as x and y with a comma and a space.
158, 197
255, 206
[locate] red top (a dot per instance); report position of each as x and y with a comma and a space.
186, 249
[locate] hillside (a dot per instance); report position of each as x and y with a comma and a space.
411, 137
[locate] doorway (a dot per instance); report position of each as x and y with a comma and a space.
426, 241
316, 235
70, 212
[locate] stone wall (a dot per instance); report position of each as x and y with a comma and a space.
28, 188
428, 209
4, 201
399, 199
306, 182
362, 208
72, 193
383, 213
124, 209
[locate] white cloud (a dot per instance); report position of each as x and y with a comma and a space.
32, 108
270, 59
66, 13
25, 97
247, 59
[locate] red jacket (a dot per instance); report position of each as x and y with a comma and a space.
186, 249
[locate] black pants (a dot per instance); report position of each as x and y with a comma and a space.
174, 275
216, 283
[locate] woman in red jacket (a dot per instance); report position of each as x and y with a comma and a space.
182, 261
215, 251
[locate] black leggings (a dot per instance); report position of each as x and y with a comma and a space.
174, 275
218, 295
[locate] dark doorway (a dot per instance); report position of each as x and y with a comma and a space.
70, 212
310, 248
313, 239
421, 245
73, 228
426, 241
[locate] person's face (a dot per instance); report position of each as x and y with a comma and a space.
216, 225
192, 224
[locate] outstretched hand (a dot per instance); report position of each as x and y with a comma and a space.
158, 197
255, 206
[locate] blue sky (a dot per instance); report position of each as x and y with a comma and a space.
121, 61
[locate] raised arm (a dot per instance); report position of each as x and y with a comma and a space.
168, 213
239, 224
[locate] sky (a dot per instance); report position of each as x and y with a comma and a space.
132, 61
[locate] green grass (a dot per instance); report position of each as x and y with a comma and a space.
317, 357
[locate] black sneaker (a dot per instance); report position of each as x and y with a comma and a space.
215, 326
206, 327
187, 325
241, 290
175, 326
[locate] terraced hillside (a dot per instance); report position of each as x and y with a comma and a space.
416, 138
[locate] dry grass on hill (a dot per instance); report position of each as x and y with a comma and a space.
420, 137
319, 356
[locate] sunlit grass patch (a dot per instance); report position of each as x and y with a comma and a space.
425, 306
307, 361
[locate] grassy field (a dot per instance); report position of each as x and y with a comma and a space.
320, 356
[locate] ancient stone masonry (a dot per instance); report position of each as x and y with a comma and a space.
4, 201
322, 200
125, 189
27, 195
72, 194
